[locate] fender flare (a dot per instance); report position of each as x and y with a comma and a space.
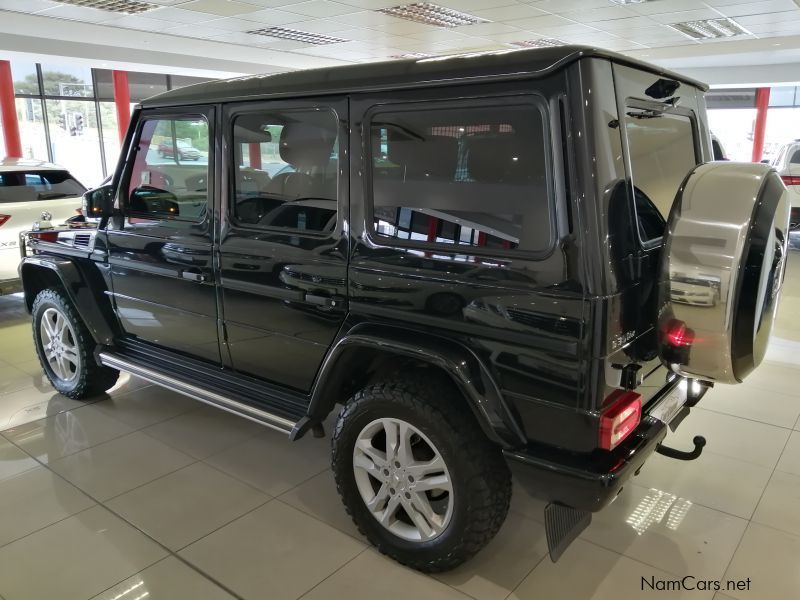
77, 289
460, 363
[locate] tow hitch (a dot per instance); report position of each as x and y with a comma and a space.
699, 442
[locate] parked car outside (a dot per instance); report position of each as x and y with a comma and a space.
29, 188
185, 150
787, 163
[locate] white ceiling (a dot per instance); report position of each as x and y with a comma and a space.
207, 37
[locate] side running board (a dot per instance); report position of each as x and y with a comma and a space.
215, 399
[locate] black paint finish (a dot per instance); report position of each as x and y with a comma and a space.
536, 343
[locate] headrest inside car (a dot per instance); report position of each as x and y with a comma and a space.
306, 145
434, 156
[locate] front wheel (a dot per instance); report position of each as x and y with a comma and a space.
417, 475
65, 348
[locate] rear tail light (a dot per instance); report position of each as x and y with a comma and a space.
4, 219
678, 335
45, 236
790, 179
620, 419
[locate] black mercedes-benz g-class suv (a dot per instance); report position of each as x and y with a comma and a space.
520, 259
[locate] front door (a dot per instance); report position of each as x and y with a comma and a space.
283, 240
161, 251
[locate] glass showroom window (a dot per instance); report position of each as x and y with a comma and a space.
75, 138
31, 128
67, 81
110, 129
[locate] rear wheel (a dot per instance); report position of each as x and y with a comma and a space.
65, 348
418, 476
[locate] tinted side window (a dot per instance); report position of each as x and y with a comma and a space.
286, 167
662, 152
795, 160
169, 179
462, 175
29, 186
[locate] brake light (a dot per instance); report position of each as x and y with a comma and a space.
45, 236
620, 419
790, 179
4, 219
678, 335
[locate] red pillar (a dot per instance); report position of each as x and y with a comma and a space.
762, 102
122, 98
254, 152
8, 112
433, 228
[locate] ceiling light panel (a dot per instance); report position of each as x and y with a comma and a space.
432, 14
125, 7
539, 43
710, 29
624, 2
297, 36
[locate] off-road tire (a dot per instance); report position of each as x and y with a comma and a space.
481, 479
91, 379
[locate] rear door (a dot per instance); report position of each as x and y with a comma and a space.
664, 137
161, 252
283, 239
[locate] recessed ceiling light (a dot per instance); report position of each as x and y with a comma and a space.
629, 1
411, 55
126, 7
709, 29
538, 43
298, 36
432, 14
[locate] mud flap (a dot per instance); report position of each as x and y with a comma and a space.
563, 524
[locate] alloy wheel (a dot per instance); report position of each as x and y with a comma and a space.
59, 344
403, 479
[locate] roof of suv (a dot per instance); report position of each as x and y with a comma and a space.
415, 73
26, 164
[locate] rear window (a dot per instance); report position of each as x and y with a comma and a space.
30, 186
462, 175
662, 152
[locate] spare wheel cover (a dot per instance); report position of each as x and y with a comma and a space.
721, 270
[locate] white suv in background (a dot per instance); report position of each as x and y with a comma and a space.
27, 189
787, 163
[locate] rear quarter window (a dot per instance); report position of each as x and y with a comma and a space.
462, 174
32, 186
662, 151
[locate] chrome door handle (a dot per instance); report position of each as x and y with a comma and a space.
193, 276
323, 301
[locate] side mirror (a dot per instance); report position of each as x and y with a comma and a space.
99, 202
765, 161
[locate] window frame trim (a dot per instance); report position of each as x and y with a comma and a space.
534, 99
123, 188
234, 112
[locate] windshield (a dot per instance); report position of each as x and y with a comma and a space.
30, 186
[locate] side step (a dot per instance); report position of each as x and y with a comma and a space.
218, 400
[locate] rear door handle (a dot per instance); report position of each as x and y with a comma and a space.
193, 276
323, 301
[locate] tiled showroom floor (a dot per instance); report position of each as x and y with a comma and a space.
146, 494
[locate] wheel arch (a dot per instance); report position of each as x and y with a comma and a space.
372, 350
44, 272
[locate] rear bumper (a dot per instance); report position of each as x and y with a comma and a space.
586, 482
